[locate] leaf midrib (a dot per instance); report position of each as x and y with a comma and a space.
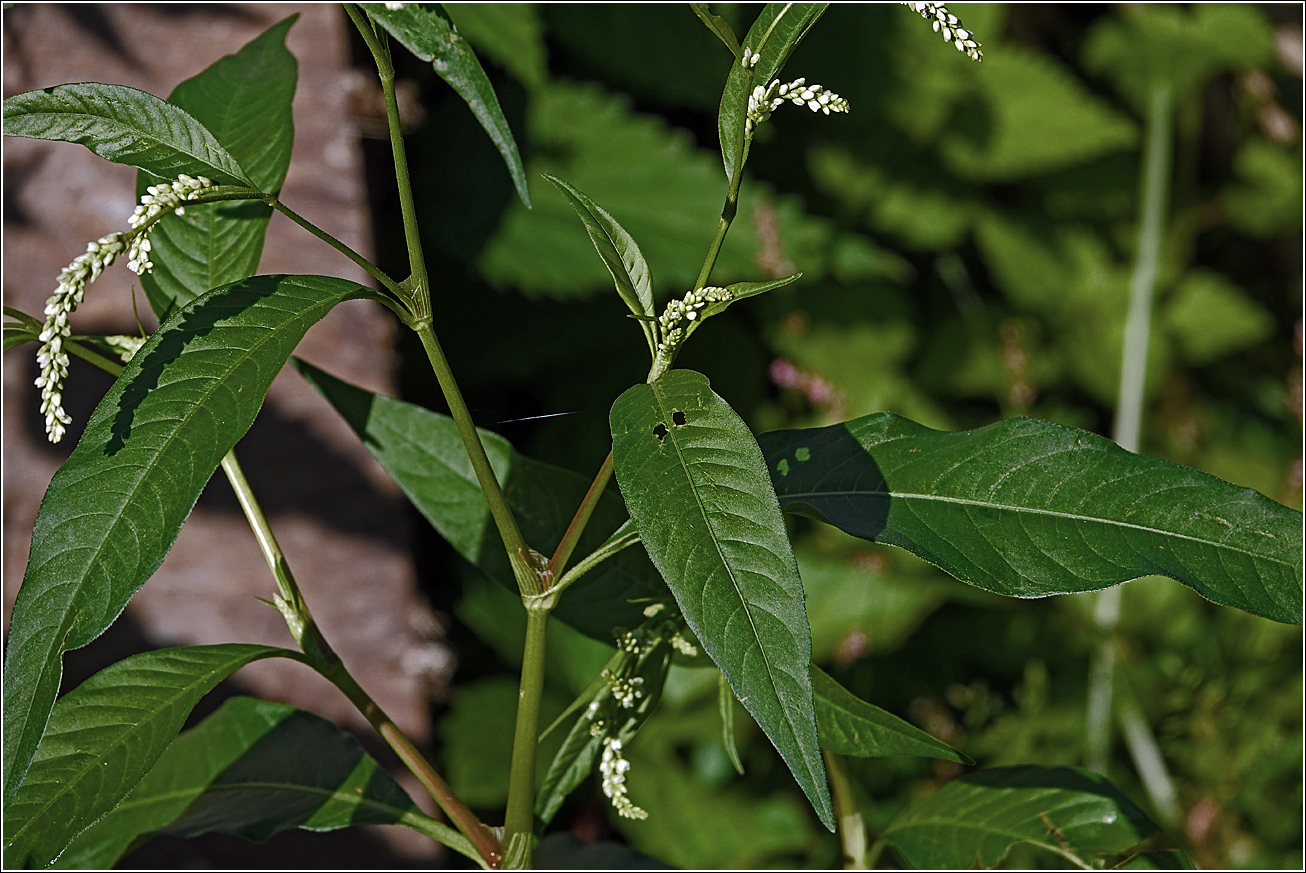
1052, 513
730, 573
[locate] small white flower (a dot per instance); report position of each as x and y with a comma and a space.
749, 59
766, 99
157, 201
624, 691
394, 7
949, 26
125, 346
682, 645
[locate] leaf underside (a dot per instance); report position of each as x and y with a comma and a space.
255, 768
1028, 508
104, 736
849, 725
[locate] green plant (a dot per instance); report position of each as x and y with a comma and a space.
1021, 507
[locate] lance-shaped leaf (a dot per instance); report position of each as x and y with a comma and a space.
244, 101
696, 486
423, 453
621, 255
738, 291
973, 821
255, 768
774, 36
125, 126
426, 31
104, 736
717, 25
1028, 508
849, 725
114, 508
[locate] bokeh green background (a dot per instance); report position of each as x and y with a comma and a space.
966, 237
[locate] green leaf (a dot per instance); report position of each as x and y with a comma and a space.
849, 725
717, 25
255, 768
695, 484
1210, 317
509, 33
973, 821
738, 291
620, 254
424, 454
125, 126
774, 35
104, 736
1028, 508
244, 101
1036, 117
426, 31
114, 508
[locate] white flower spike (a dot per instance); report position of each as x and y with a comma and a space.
950, 26
766, 99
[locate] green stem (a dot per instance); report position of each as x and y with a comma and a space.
731, 206
614, 544
490, 849
852, 832
231, 192
418, 283
1155, 180
528, 578
578, 522
519, 824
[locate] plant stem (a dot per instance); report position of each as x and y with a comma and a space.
578, 522
418, 283
489, 847
852, 832
519, 824
1129, 406
614, 544
728, 211
528, 578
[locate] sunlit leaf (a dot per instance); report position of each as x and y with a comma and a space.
696, 486
1028, 508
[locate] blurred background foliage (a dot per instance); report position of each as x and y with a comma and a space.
966, 237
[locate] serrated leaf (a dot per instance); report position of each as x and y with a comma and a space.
244, 101
424, 454
849, 725
255, 768
104, 736
973, 821
114, 508
1029, 508
774, 35
694, 483
620, 254
125, 126
426, 31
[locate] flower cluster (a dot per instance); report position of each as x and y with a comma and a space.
613, 767
766, 99
51, 358
158, 201
950, 26
625, 691
126, 347
690, 307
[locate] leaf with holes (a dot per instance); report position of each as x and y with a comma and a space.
125, 126
774, 35
1029, 508
696, 486
114, 508
255, 768
104, 736
244, 101
975, 820
426, 31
